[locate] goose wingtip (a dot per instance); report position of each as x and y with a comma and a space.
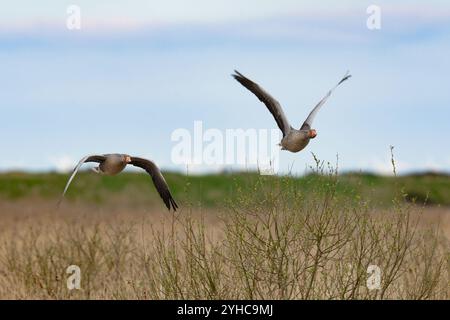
237, 74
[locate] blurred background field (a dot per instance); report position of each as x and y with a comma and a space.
214, 190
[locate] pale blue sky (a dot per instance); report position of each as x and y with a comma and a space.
138, 70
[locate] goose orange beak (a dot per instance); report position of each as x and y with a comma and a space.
312, 133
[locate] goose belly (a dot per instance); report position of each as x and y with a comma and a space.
112, 167
295, 141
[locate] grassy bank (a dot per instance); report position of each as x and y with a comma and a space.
215, 190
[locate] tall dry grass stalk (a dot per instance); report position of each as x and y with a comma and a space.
276, 243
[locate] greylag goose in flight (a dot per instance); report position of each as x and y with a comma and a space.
293, 140
112, 164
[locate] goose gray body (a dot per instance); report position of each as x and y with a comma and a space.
112, 164
294, 140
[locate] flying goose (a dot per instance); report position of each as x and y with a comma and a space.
112, 164
293, 140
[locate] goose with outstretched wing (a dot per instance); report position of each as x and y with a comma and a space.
112, 164
293, 140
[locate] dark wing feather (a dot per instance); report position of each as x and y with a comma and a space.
308, 122
96, 158
158, 180
270, 102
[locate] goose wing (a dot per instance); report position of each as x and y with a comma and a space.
308, 122
270, 102
91, 158
158, 180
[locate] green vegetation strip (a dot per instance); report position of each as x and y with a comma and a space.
216, 190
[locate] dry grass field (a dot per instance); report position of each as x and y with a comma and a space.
274, 239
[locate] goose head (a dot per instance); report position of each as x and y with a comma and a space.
312, 133
126, 159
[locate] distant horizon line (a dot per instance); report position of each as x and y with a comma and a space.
406, 173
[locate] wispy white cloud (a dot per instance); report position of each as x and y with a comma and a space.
384, 166
62, 164
17, 165
288, 17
